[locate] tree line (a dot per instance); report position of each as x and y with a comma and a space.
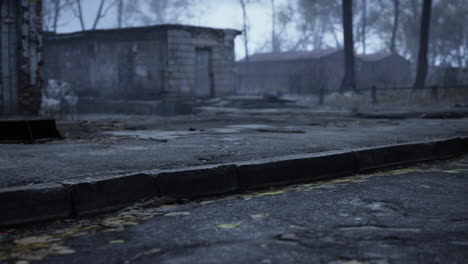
397, 26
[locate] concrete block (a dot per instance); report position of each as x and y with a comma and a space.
465, 143
198, 181
450, 148
295, 169
34, 203
104, 194
381, 157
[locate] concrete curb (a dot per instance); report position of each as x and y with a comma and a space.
34, 203
294, 169
40, 202
105, 194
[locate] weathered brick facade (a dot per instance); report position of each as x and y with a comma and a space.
142, 63
20, 56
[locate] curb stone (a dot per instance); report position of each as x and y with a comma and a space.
294, 169
197, 181
451, 147
25, 204
34, 203
100, 195
374, 158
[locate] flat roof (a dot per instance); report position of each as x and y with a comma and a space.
313, 54
138, 30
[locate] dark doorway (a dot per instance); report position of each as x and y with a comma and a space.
203, 80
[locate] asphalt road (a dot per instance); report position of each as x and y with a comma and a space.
410, 215
106, 146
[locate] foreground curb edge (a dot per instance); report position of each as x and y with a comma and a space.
32, 203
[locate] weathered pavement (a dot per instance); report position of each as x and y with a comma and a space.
412, 215
113, 145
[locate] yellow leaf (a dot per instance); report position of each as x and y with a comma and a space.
455, 171
228, 226
257, 216
117, 241
207, 202
35, 240
61, 250
269, 193
120, 221
152, 251
176, 213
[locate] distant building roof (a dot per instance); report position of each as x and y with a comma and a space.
144, 29
313, 54
291, 55
374, 56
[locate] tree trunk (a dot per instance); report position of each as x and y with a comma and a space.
349, 80
80, 14
119, 13
274, 39
423, 45
396, 14
364, 25
245, 30
56, 15
98, 14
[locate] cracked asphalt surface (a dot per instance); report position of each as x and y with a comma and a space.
102, 145
410, 215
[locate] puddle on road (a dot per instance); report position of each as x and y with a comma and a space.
152, 134
175, 134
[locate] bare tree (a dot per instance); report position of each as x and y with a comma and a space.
154, 12
78, 12
52, 11
423, 45
396, 14
349, 80
101, 12
120, 7
275, 41
245, 28
364, 25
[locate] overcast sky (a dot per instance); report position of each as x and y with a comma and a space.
209, 13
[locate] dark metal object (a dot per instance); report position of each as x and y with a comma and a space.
28, 131
435, 92
374, 94
321, 96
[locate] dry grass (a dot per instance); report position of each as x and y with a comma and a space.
397, 97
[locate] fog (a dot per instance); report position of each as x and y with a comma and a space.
310, 52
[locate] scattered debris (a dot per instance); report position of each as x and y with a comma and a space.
228, 226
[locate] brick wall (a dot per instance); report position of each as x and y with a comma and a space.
140, 63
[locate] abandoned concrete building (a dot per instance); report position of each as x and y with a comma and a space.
144, 63
302, 72
21, 57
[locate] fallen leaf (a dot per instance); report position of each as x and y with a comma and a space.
152, 251
455, 171
35, 240
120, 221
269, 193
257, 216
207, 202
228, 226
116, 241
352, 262
61, 250
177, 213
